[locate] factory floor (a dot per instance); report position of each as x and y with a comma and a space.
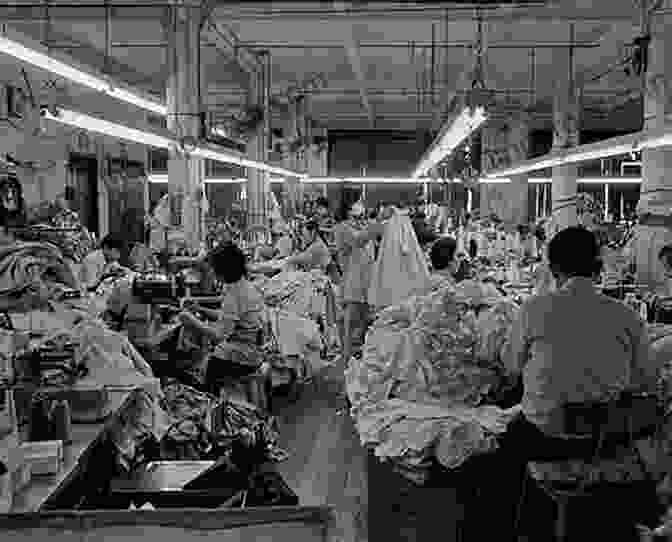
327, 464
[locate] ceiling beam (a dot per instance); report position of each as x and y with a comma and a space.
227, 43
87, 55
611, 45
594, 12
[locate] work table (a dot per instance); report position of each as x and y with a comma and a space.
42, 488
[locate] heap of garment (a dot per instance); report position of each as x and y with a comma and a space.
296, 337
27, 266
176, 420
108, 356
299, 292
401, 269
427, 369
300, 312
61, 227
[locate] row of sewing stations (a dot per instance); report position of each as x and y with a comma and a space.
105, 414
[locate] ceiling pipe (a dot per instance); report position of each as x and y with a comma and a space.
409, 92
533, 10
420, 45
324, 45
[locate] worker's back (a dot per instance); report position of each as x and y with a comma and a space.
579, 346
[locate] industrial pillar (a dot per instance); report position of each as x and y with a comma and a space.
493, 199
291, 188
655, 204
519, 146
258, 184
185, 172
566, 126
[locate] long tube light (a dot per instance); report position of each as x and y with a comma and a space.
585, 180
10, 44
213, 154
100, 83
450, 138
104, 127
615, 146
157, 178
107, 128
370, 180
162, 178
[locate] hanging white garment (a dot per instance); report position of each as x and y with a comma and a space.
401, 269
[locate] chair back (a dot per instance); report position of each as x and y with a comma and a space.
628, 416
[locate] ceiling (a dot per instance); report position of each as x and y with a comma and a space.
406, 60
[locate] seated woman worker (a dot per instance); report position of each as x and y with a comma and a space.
236, 329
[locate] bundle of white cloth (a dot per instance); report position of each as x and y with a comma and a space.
401, 269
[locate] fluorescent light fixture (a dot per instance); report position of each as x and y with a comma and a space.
585, 180
383, 180
372, 180
655, 141
615, 146
99, 83
104, 127
450, 137
162, 178
219, 156
10, 44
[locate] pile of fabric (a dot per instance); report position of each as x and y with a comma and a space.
294, 337
299, 292
53, 224
188, 436
109, 357
429, 366
300, 314
29, 267
180, 425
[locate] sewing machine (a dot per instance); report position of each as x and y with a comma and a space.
156, 288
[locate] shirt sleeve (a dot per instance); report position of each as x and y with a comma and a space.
229, 314
515, 350
646, 366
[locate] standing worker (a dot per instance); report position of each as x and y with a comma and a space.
356, 257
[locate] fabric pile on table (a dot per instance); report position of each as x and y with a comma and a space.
28, 267
428, 366
295, 291
62, 228
188, 437
174, 426
300, 314
242, 420
296, 338
109, 357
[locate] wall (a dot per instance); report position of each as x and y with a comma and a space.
56, 142
381, 154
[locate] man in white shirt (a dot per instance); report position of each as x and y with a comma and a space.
572, 345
